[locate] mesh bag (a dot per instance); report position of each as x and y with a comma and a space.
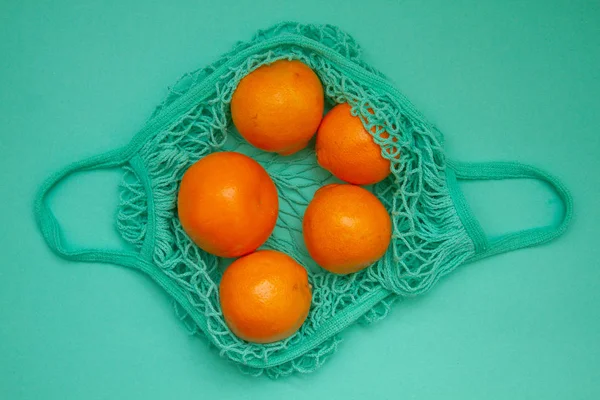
433, 231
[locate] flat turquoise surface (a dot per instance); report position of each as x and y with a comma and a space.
503, 80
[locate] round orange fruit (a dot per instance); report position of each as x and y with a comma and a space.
278, 107
346, 228
265, 296
347, 150
227, 204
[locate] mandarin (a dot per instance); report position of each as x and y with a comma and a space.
227, 204
278, 107
265, 296
347, 150
346, 228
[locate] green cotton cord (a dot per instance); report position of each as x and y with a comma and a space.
515, 240
147, 247
433, 229
49, 225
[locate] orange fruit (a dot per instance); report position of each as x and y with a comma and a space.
346, 228
227, 204
347, 150
265, 296
278, 107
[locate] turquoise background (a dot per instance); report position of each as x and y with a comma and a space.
504, 80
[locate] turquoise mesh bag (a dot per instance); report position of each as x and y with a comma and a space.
433, 229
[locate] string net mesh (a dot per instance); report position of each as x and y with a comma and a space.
428, 238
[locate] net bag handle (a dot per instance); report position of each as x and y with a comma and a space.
49, 225
482, 171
